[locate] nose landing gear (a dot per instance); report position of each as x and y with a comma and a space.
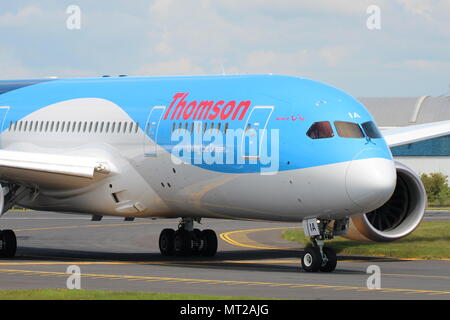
317, 257
187, 241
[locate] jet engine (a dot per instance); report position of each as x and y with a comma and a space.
398, 217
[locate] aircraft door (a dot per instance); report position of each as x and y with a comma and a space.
3, 113
254, 131
151, 131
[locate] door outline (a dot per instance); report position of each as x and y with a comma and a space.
251, 157
150, 150
2, 128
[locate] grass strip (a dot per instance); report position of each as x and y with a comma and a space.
65, 294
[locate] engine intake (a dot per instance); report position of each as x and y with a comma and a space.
398, 217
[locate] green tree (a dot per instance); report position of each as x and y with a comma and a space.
436, 186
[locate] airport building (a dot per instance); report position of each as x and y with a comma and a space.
426, 156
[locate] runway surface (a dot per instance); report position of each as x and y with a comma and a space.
252, 260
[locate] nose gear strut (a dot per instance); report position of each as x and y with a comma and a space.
317, 257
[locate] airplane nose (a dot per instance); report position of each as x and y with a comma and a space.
370, 181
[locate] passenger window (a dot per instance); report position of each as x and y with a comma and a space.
348, 129
320, 130
371, 130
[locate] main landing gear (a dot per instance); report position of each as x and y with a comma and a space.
8, 244
316, 257
187, 241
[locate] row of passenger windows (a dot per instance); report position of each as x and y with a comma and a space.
199, 127
344, 129
75, 126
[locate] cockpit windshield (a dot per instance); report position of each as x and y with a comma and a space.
348, 129
344, 129
371, 130
320, 130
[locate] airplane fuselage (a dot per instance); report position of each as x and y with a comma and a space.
261, 147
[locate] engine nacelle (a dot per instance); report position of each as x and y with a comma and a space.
398, 217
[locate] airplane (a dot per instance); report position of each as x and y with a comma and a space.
241, 147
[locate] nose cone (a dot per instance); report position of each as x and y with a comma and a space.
370, 182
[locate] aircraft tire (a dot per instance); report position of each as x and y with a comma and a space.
197, 240
209, 239
166, 242
183, 242
9, 244
330, 266
311, 259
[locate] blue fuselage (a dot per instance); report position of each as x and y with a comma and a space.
312, 126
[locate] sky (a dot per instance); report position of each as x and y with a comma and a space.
327, 41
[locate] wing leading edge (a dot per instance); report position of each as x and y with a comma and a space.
406, 135
41, 168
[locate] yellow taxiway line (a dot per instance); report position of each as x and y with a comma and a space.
192, 263
239, 238
220, 282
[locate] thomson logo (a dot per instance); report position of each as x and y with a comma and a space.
205, 110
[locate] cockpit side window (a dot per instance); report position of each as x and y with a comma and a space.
371, 130
320, 130
348, 129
